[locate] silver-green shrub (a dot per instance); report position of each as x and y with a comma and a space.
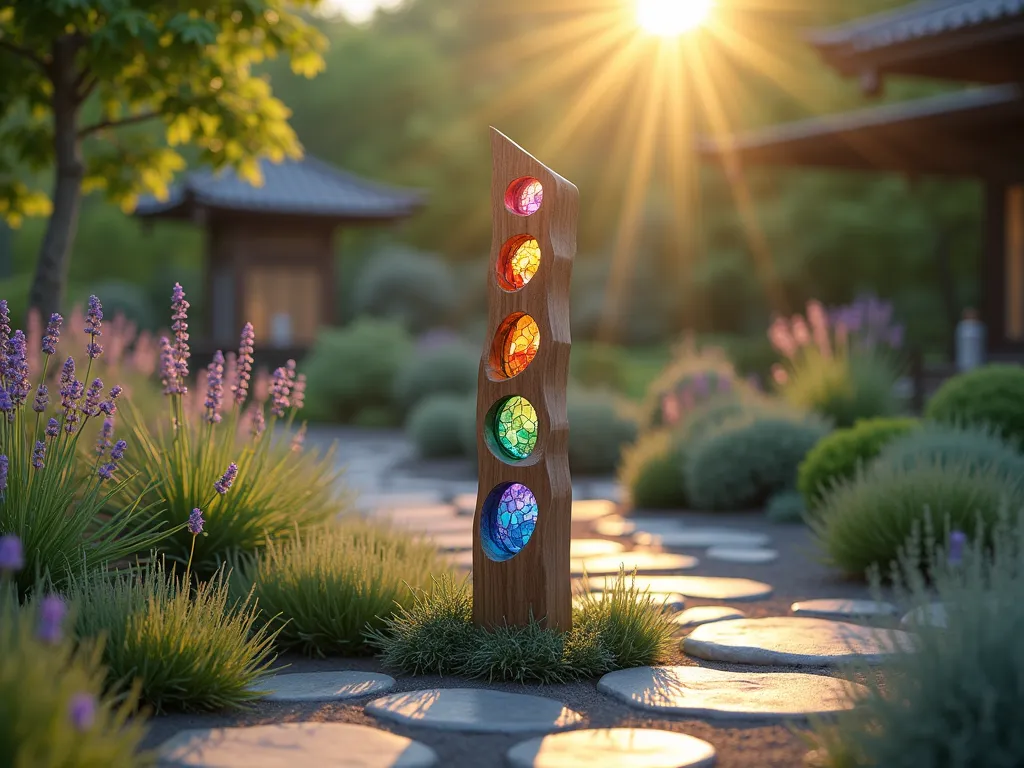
976, 448
435, 425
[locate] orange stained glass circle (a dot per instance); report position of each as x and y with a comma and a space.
519, 262
524, 196
516, 344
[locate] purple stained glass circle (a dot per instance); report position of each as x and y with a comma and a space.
508, 520
524, 196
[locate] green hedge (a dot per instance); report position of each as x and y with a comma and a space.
989, 396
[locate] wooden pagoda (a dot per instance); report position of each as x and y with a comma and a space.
974, 133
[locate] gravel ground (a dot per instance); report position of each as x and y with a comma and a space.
796, 575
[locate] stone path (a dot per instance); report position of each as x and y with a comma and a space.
706, 614
474, 710
641, 562
749, 555
324, 686
613, 748
701, 587
828, 608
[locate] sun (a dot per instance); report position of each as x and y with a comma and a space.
669, 18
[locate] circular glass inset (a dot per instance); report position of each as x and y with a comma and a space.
524, 196
515, 345
519, 262
515, 427
507, 520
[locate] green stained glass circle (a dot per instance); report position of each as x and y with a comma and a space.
515, 427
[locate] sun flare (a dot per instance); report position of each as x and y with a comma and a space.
669, 18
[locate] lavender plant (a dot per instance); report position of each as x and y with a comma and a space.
226, 457
69, 510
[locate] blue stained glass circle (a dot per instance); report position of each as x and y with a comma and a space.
508, 519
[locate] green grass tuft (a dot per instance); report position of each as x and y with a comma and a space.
615, 629
187, 652
320, 591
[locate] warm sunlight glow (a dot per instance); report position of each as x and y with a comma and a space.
669, 18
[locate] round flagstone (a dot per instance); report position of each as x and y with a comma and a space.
699, 538
793, 641
452, 542
476, 710
642, 562
613, 748
706, 614
324, 686
286, 745
581, 548
933, 615
670, 602
701, 587
436, 526
837, 608
592, 509
614, 526
712, 693
746, 555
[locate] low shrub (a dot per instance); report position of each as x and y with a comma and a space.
954, 698
838, 456
600, 366
864, 522
748, 460
652, 472
619, 628
972, 448
989, 396
447, 369
192, 650
413, 288
321, 591
693, 376
786, 507
436, 425
53, 709
339, 389
600, 426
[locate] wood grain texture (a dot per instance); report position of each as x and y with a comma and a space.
537, 580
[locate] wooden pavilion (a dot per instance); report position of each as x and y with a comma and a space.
269, 250
975, 133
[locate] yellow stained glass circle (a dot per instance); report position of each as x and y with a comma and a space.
515, 345
519, 262
524, 196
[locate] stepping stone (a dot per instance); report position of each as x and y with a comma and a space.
747, 555
475, 710
671, 602
699, 538
581, 548
933, 615
416, 513
439, 525
706, 614
793, 642
452, 542
324, 686
614, 526
592, 509
613, 748
712, 693
643, 562
284, 745
397, 500
465, 503
830, 609
701, 587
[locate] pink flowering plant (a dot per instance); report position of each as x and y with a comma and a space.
69, 507
843, 364
226, 452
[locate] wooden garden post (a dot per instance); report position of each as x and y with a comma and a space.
521, 531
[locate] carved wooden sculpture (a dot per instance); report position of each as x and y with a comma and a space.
524, 505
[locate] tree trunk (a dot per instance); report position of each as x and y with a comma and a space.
47, 292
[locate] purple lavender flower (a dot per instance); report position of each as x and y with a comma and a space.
179, 326
4, 466
82, 711
214, 388
258, 421
67, 373
38, 454
299, 392
5, 324
168, 376
106, 433
52, 335
106, 471
117, 452
91, 407
957, 542
17, 368
223, 485
196, 522
51, 615
69, 397
279, 390
93, 324
109, 406
12, 557
700, 385
243, 366
42, 399
6, 404
52, 428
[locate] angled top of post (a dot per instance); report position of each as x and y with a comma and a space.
502, 144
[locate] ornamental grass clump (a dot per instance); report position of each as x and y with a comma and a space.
618, 628
54, 712
954, 699
320, 591
70, 508
191, 649
225, 458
